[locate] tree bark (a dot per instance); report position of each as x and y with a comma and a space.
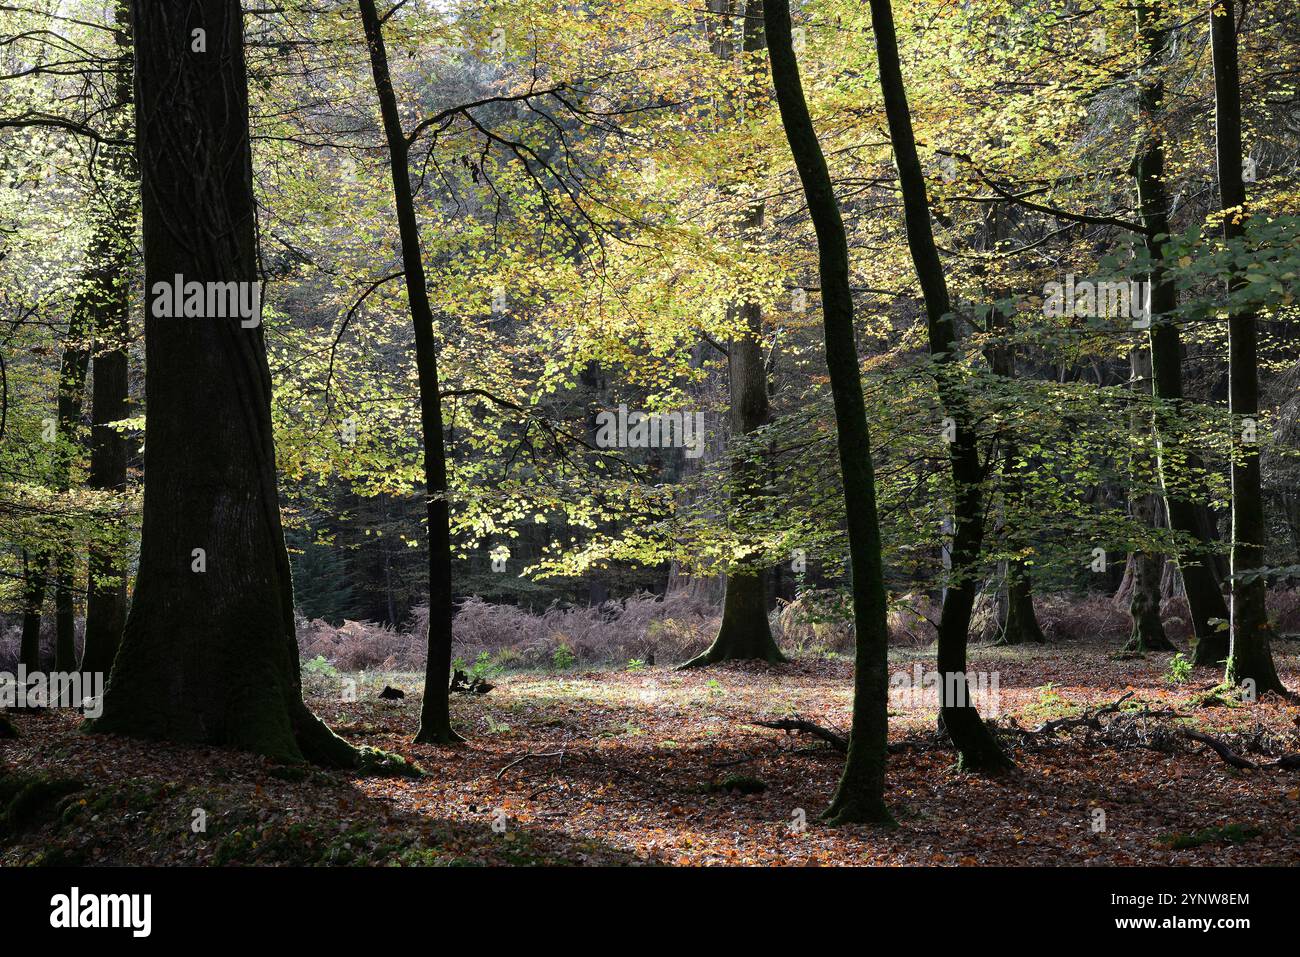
208, 654
109, 449
35, 568
1191, 520
435, 716
746, 632
860, 795
1148, 631
72, 387
1020, 626
1250, 657
977, 747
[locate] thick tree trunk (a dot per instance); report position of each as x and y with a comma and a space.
860, 796
435, 717
978, 749
745, 632
208, 655
109, 449
1191, 520
1021, 625
1249, 655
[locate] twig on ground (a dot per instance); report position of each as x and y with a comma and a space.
521, 760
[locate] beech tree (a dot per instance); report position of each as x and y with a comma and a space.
208, 654
107, 572
435, 719
977, 747
745, 632
1200, 581
860, 797
1250, 657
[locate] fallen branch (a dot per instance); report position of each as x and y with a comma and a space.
1222, 750
791, 725
1087, 719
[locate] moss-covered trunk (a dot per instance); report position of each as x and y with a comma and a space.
860, 797
1148, 631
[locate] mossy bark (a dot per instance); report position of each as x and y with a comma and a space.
208, 653
860, 796
745, 633
1148, 631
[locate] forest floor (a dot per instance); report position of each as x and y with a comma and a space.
656, 766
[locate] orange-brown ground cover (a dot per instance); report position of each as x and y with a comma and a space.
653, 766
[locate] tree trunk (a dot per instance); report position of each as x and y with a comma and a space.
109, 449
435, 716
35, 569
1148, 632
745, 632
72, 387
1191, 520
1020, 625
208, 655
977, 747
1249, 655
860, 796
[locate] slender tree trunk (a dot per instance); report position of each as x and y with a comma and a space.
1200, 581
35, 568
208, 655
745, 632
109, 449
435, 717
1021, 623
72, 388
1148, 632
977, 747
1249, 655
860, 796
